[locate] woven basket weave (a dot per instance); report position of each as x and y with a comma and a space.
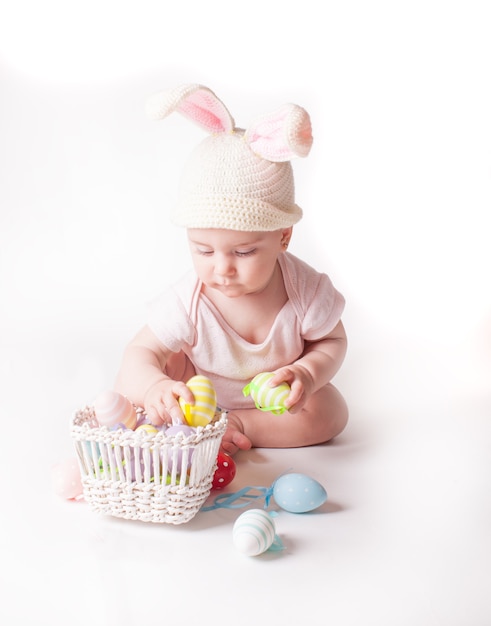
146, 477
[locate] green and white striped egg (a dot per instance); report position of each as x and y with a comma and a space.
267, 398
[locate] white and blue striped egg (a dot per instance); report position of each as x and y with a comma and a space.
253, 532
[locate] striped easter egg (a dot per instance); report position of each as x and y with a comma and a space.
203, 410
253, 532
267, 398
111, 408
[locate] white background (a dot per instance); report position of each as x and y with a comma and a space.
396, 197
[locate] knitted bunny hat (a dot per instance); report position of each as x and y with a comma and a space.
236, 179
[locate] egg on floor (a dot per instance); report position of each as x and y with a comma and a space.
298, 493
254, 532
67, 481
225, 471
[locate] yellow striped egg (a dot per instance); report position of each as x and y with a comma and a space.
203, 410
149, 429
253, 532
267, 398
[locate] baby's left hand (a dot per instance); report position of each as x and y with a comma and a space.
300, 381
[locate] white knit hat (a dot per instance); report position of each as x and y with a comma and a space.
236, 179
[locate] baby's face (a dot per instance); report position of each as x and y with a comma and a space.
236, 263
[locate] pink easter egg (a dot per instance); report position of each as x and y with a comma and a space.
112, 408
67, 482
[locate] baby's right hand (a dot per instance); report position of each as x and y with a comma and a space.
161, 402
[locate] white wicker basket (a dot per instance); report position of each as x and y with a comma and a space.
146, 477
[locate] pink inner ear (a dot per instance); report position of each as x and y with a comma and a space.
268, 140
205, 109
281, 135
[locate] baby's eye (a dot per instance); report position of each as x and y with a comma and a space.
204, 252
245, 252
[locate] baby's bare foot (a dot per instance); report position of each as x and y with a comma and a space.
234, 438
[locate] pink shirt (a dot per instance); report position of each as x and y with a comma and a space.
184, 319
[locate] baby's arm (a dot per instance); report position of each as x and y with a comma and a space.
142, 379
314, 369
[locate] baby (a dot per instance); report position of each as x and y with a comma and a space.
249, 306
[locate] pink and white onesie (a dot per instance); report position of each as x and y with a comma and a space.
185, 320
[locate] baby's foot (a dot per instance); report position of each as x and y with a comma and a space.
234, 438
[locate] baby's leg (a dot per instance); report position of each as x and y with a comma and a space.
323, 417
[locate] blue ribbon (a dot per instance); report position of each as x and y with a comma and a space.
233, 500
242, 498
229, 500
277, 545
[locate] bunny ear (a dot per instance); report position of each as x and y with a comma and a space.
196, 102
282, 134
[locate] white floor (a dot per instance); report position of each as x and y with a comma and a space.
403, 539
399, 97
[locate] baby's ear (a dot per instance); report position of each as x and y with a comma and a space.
281, 135
196, 102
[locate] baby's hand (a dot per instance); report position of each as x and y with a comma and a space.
301, 383
161, 402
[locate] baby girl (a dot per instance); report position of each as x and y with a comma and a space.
249, 305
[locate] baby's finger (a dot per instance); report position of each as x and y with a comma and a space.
176, 415
154, 416
173, 410
181, 390
283, 375
295, 395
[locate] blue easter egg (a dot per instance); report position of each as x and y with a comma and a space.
298, 493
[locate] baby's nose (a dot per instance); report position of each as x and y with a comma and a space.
224, 265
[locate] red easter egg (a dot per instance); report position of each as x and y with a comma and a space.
225, 472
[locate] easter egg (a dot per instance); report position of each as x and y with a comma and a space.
173, 431
149, 429
203, 410
298, 493
67, 482
129, 464
253, 532
112, 408
225, 471
267, 398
